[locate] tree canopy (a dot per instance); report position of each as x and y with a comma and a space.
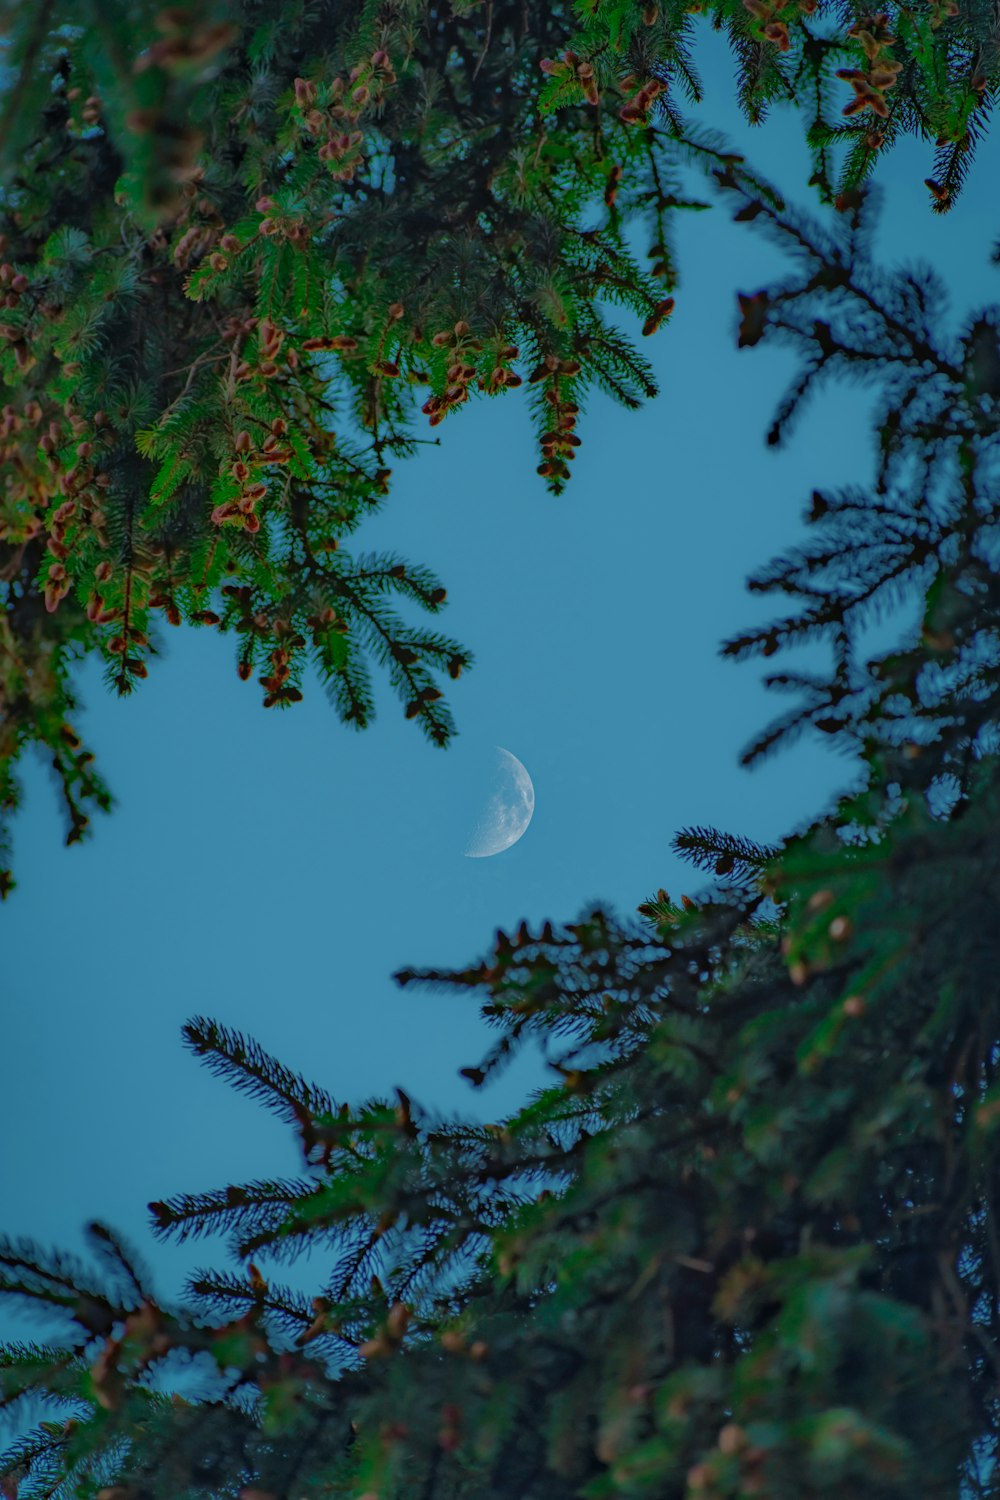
744, 1244
251, 256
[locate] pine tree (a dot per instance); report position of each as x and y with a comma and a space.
247, 252
744, 1244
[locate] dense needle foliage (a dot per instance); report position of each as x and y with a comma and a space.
745, 1243
249, 253
242, 259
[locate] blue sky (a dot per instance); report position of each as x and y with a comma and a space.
273, 869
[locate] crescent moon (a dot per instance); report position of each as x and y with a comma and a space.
508, 811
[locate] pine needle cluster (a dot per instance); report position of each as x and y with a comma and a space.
861, 80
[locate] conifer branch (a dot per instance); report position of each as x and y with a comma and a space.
121, 1261
243, 1064
723, 853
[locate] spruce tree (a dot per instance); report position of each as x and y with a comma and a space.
251, 255
744, 1244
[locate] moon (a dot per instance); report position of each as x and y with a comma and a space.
508, 811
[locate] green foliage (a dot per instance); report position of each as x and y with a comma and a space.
744, 1243
861, 80
245, 252
924, 713
248, 248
